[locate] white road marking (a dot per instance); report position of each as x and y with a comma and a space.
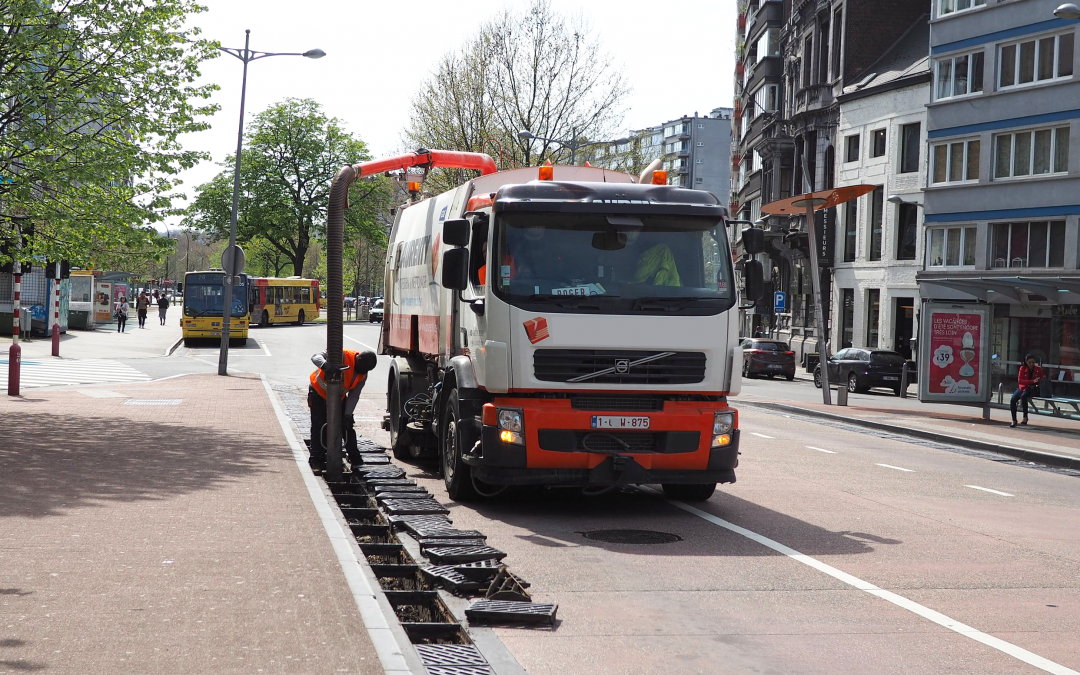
1008, 648
997, 492
374, 349
898, 468
754, 433
378, 628
831, 452
264, 347
47, 372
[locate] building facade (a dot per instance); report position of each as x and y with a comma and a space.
1002, 198
794, 59
877, 243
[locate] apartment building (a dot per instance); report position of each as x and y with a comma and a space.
694, 149
1002, 199
794, 59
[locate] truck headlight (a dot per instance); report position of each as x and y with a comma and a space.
723, 425
511, 426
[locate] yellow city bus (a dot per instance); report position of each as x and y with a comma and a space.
204, 297
290, 300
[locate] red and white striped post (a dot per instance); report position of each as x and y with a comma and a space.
56, 314
15, 353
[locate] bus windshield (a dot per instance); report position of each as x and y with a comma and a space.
603, 263
204, 295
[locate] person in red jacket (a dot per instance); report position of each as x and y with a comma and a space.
1027, 385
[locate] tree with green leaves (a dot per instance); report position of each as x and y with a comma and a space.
535, 70
94, 97
291, 152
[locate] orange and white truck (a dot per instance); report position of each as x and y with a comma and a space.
564, 326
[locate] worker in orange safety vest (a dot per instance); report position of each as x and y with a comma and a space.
357, 365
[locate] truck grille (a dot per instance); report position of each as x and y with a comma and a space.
617, 403
622, 366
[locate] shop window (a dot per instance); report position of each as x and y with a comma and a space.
848, 316
1032, 244
950, 247
877, 209
1037, 60
878, 147
873, 317
955, 162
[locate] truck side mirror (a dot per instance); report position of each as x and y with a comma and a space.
456, 232
455, 268
752, 275
753, 240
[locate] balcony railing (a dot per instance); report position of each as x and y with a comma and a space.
814, 97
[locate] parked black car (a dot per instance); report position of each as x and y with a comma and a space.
862, 369
767, 357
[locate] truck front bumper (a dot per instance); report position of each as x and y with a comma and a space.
679, 453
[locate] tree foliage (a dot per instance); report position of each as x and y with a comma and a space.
93, 99
291, 152
536, 71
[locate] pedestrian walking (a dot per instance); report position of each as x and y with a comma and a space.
120, 311
357, 365
1027, 385
162, 307
142, 305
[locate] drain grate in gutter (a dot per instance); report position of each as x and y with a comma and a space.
462, 554
507, 611
414, 507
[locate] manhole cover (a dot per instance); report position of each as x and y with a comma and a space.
631, 536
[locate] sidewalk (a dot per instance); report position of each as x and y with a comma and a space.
1051, 440
105, 342
165, 527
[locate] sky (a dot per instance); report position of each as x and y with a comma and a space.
680, 60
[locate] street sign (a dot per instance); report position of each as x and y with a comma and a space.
780, 302
230, 254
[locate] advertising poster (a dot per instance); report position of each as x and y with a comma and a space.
103, 302
953, 364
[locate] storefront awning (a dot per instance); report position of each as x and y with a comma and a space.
1007, 289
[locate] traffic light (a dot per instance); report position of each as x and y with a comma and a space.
50, 269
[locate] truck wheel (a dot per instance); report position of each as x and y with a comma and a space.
457, 475
689, 493
400, 438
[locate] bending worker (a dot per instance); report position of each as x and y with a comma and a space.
357, 365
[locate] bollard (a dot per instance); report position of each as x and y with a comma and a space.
841, 395
14, 369
56, 339
903, 382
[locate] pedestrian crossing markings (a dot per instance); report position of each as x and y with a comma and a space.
48, 373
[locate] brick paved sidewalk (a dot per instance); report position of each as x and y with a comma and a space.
165, 538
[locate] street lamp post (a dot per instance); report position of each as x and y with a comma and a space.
247, 56
574, 144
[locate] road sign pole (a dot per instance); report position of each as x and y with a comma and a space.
819, 316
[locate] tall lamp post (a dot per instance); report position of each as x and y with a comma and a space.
574, 144
247, 56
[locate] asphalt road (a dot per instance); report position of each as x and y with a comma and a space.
836, 552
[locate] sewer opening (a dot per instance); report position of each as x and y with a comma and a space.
631, 536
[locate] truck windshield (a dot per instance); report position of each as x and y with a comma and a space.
618, 264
